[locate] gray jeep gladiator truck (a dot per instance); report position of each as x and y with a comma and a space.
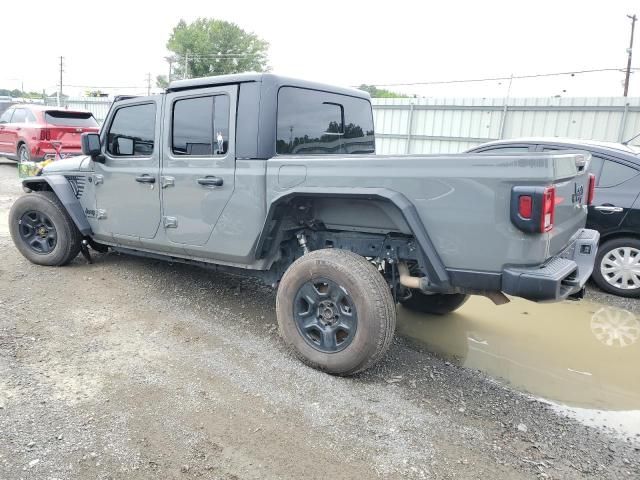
275, 177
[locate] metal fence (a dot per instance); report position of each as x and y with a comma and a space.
451, 125
99, 106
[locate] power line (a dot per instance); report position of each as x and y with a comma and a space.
493, 79
105, 86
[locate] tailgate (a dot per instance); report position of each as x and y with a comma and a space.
66, 126
572, 190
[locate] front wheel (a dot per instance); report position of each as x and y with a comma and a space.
335, 311
617, 267
437, 303
42, 230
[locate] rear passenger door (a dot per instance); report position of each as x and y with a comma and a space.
5, 121
198, 165
617, 187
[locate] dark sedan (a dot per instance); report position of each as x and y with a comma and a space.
615, 212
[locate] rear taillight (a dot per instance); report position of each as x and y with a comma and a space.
45, 134
548, 209
592, 189
525, 206
533, 209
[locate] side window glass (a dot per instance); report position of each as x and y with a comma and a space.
132, 131
313, 122
6, 116
614, 173
201, 126
31, 118
19, 116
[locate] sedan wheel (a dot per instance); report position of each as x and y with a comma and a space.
618, 267
621, 268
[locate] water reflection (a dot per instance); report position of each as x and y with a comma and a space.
579, 354
615, 327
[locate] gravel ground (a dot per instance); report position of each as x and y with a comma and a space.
133, 368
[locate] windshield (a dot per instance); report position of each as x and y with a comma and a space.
70, 119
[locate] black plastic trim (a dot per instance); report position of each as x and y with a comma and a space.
63, 190
428, 257
528, 225
475, 280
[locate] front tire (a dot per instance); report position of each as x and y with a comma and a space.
335, 311
617, 267
42, 230
437, 303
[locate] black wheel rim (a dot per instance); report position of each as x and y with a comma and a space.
325, 314
38, 232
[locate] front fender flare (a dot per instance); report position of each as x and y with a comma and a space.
61, 187
428, 256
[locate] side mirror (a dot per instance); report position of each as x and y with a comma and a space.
91, 146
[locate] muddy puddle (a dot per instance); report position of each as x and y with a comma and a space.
582, 357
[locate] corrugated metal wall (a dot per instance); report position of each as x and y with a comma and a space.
451, 125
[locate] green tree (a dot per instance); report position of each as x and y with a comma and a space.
381, 92
162, 81
215, 47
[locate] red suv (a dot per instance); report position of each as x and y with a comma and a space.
33, 132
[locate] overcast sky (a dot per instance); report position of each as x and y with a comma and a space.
116, 43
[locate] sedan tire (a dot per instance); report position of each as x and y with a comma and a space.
617, 267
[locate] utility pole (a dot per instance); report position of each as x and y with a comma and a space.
60, 89
629, 51
148, 83
185, 74
170, 60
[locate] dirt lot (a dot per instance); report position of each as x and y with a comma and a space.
132, 368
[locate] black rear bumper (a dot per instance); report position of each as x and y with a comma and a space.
558, 278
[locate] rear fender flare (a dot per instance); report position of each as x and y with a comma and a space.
61, 187
427, 254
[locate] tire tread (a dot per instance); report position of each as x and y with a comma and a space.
372, 281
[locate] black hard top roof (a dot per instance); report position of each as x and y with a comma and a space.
266, 78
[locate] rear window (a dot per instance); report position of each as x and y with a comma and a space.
313, 122
70, 119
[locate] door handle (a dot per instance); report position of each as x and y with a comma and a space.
211, 181
608, 209
146, 179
